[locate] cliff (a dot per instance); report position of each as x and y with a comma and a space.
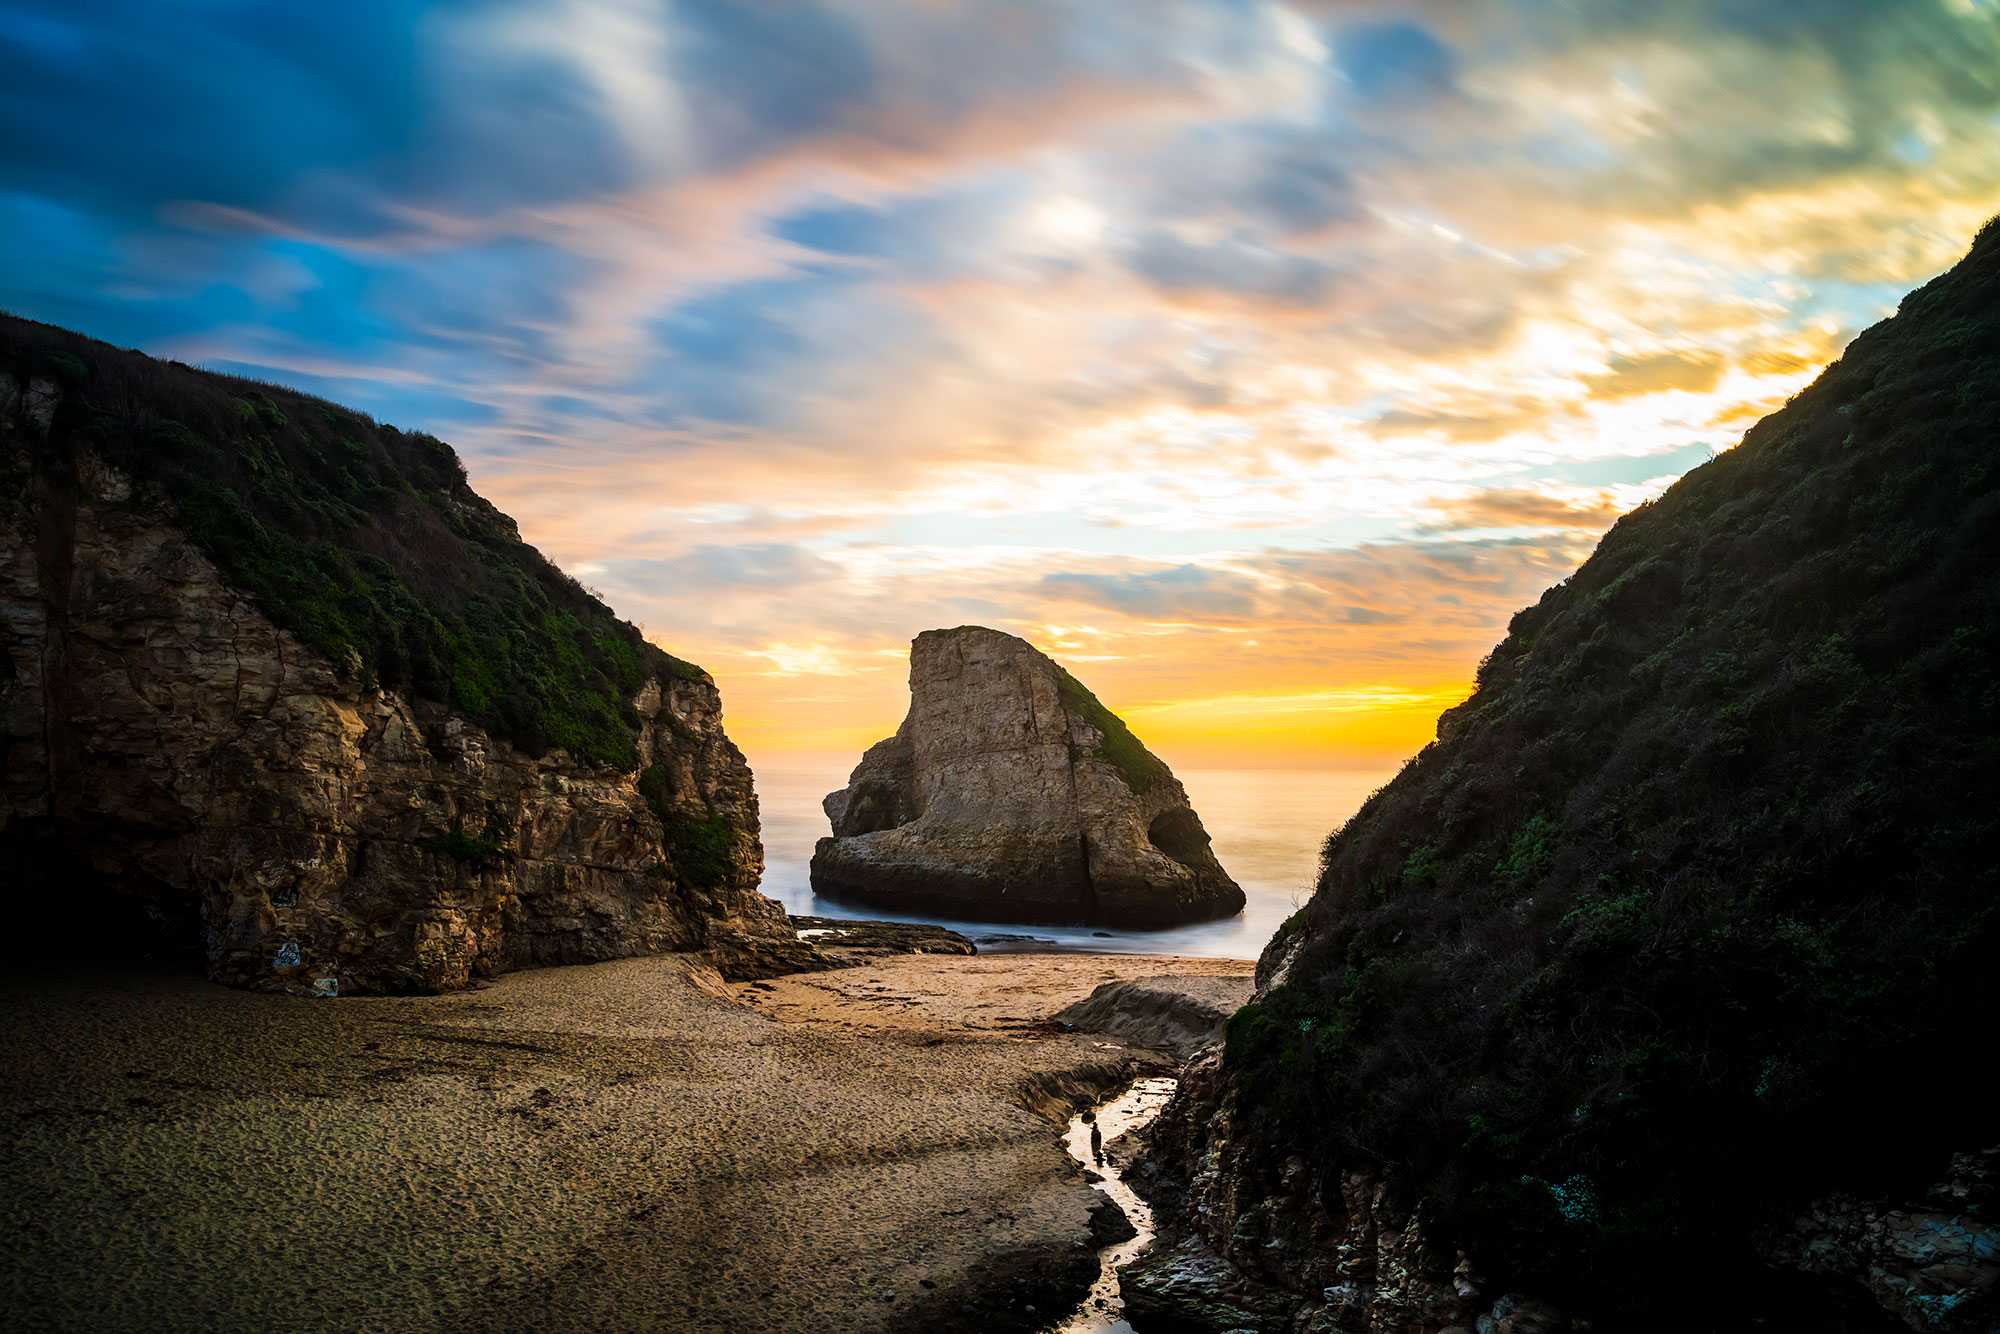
277, 686
1010, 794
1652, 993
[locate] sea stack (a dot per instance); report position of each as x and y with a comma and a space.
1010, 794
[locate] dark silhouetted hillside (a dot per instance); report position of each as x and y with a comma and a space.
1691, 912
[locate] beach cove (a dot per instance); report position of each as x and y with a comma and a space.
627, 1145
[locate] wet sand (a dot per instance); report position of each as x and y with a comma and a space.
628, 1146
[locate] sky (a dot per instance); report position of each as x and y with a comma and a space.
1257, 360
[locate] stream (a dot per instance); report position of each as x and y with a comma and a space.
1103, 1311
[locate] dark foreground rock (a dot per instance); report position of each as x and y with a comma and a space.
180, 770
1930, 1263
1186, 1288
841, 936
1010, 794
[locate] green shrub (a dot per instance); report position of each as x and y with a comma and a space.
696, 849
363, 541
463, 847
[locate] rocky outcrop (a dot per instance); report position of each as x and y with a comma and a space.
1285, 1246
175, 767
1279, 1248
1644, 990
1010, 794
1181, 1014
1933, 1264
845, 939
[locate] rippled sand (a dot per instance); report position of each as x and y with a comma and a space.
624, 1146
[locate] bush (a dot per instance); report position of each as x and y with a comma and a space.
696, 849
463, 847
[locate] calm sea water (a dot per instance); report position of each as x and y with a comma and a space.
1267, 824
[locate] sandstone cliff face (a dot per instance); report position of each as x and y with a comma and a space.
1009, 794
171, 760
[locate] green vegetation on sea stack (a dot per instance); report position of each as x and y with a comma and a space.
1139, 767
364, 541
1692, 910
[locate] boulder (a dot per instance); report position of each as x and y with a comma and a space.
1181, 1014
1010, 794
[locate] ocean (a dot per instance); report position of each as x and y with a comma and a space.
1267, 826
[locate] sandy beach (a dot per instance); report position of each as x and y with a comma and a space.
632, 1145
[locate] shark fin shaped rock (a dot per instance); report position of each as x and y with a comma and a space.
1010, 794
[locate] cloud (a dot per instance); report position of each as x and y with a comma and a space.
1696, 372
1458, 583
1302, 189
1395, 61
1214, 326
1183, 592
1520, 507
1236, 267
1452, 425
119, 107
714, 569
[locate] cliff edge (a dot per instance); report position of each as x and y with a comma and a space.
278, 687
1651, 994
1010, 794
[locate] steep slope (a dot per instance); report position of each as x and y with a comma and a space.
1688, 916
275, 684
1010, 794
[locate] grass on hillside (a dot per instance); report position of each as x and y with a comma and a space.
364, 541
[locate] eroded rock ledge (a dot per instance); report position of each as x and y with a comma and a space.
844, 938
1180, 1014
1010, 794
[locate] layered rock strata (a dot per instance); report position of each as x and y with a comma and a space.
174, 766
1010, 794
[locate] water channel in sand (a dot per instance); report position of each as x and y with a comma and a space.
1103, 1311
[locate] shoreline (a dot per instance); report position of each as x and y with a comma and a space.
628, 1144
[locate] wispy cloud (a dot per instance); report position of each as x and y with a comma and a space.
1258, 355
